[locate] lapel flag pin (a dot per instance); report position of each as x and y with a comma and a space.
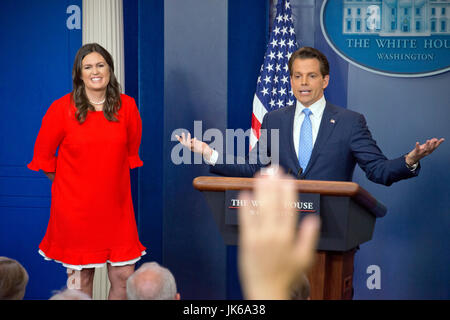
332, 121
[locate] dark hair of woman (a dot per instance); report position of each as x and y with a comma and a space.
112, 103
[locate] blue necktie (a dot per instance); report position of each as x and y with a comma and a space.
306, 140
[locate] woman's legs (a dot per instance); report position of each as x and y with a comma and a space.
81, 280
118, 277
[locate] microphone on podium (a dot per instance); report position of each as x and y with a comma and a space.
299, 173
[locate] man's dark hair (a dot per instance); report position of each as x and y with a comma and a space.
310, 53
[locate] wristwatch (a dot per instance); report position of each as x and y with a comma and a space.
411, 167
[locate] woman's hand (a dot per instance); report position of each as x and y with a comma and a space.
50, 175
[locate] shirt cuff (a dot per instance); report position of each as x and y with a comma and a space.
213, 160
413, 167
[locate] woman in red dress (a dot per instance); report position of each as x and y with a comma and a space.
97, 132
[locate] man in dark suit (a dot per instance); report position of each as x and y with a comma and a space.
317, 140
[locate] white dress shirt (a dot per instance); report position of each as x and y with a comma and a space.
317, 109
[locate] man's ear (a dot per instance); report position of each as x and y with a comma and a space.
326, 80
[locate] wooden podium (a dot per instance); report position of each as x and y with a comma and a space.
348, 213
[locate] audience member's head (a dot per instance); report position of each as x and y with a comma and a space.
152, 282
13, 279
300, 289
70, 294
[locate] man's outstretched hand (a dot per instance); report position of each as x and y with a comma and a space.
422, 150
195, 145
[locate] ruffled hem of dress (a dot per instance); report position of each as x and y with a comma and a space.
135, 161
74, 259
94, 265
45, 165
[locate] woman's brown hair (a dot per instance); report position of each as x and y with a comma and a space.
112, 103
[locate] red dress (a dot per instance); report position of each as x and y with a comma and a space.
91, 217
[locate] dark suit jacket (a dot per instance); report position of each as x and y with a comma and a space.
342, 141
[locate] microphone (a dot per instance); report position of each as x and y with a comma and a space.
299, 173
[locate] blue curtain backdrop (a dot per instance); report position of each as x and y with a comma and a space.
36, 60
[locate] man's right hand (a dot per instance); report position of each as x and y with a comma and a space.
195, 145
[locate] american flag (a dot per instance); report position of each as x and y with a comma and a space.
273, 89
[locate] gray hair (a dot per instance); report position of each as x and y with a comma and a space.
70, 294
151, 282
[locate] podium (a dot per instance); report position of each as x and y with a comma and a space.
348, 214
